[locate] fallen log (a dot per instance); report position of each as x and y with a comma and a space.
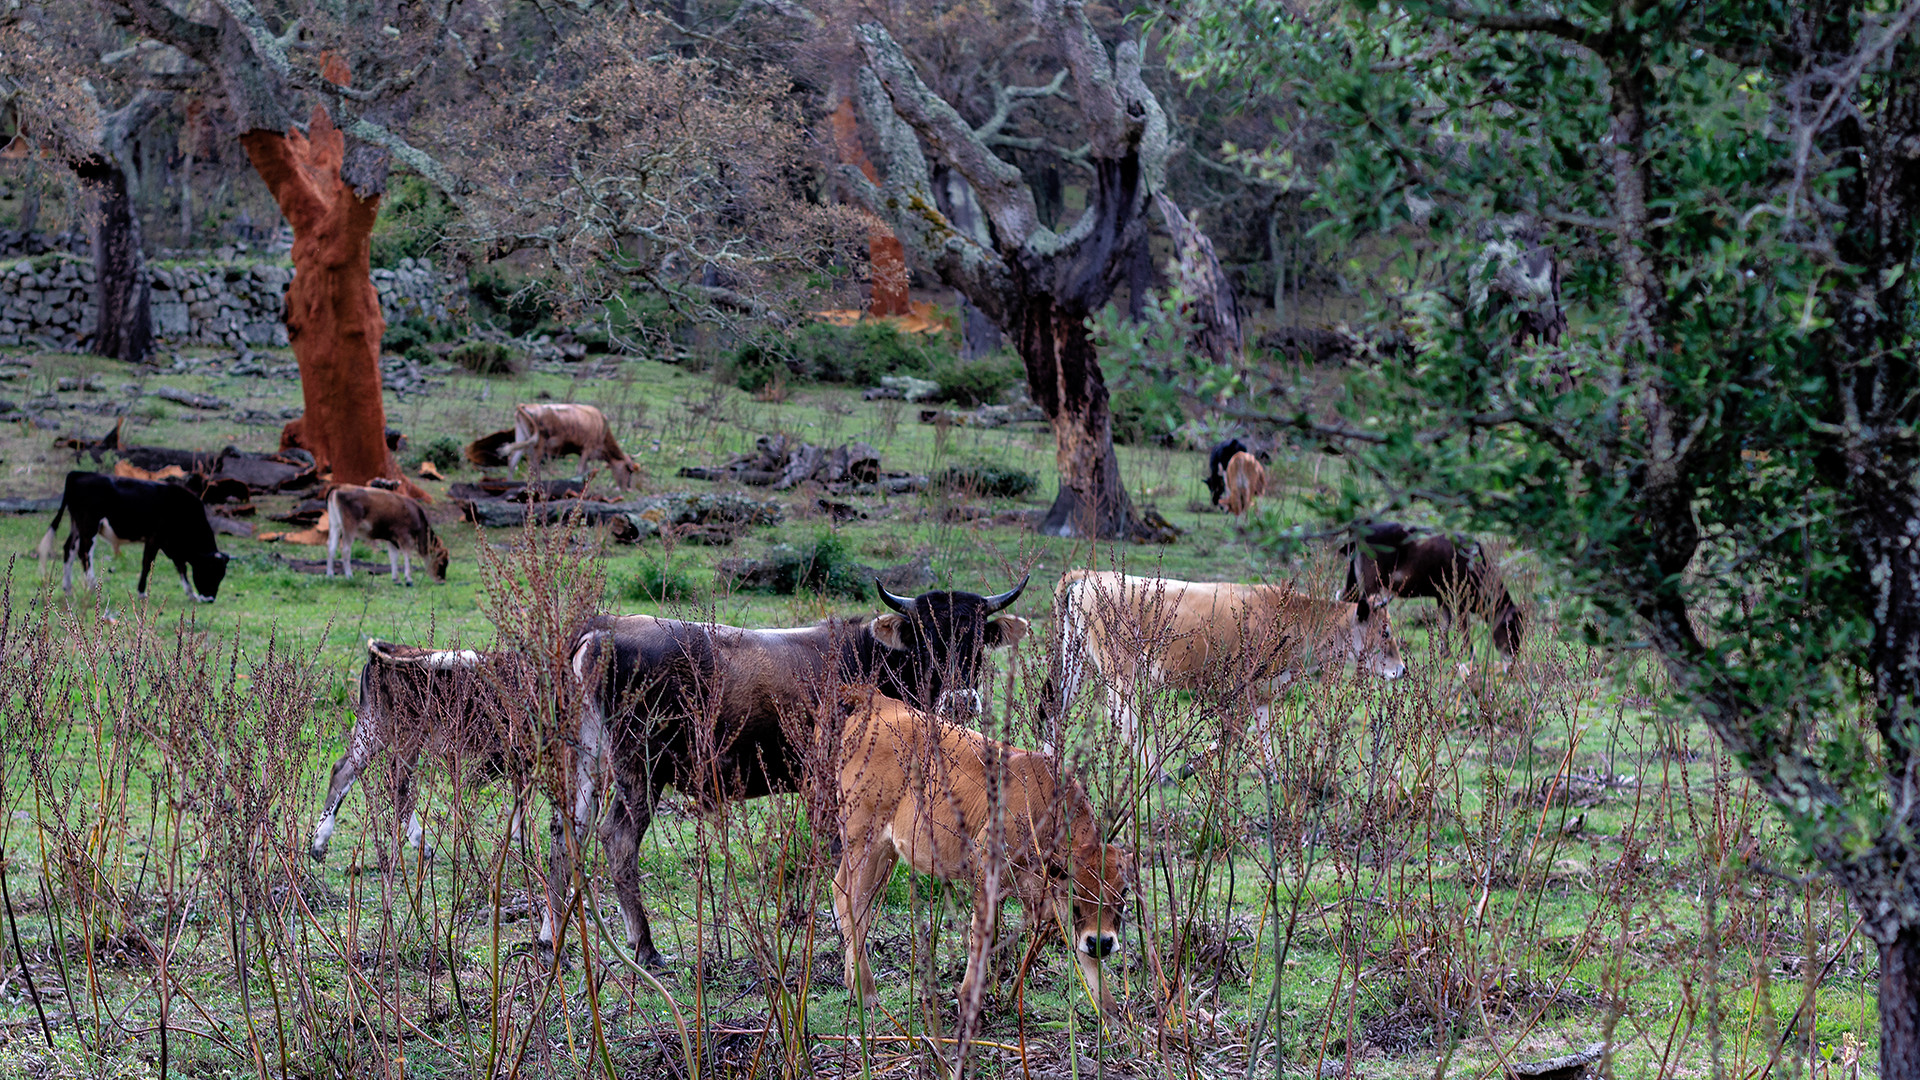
188, 398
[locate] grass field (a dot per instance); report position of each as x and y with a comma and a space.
1448, 874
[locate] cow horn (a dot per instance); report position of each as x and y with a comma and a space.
1002, 601
901, 604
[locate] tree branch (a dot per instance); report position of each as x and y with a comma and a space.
1003, 193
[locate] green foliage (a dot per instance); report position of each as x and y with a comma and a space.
413, 217
981, 381
754, 366
987, 479
656, 581
1152, 368
410, 338
512, 296
1146, 413
825, 566
444, 451
487, 358
1677, 457
858, 354
636, 316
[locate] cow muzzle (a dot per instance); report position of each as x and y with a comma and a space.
959, 704
1099, 946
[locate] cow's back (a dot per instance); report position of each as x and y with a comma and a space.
707, 694
1191, 633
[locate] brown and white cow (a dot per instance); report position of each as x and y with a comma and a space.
387, 518
1246, 481
916, 787
724, 712
545, 431
1138, 635
472, 710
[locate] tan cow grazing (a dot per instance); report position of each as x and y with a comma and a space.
387, 518
1246, 481
1138, 635
917, 787
545, 431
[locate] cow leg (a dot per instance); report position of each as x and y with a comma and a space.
621, 832
406, 812
67, 552
1262, 736
146, 566
345, 772
393, 564
559, 884
406, 562
984, 933
192, 595
1123, 708
866, 861
334, 532
92, 541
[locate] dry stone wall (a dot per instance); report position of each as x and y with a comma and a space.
48, 300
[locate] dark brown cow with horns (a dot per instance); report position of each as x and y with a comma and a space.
724, 713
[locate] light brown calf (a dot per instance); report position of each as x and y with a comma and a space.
1246, 481
917, 787
546, 431
387, 518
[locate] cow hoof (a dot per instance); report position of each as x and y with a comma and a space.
317, 853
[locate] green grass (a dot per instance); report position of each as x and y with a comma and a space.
1412, 855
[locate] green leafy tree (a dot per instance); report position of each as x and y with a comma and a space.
1721, 451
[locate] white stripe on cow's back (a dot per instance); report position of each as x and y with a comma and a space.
442, 660
451, 660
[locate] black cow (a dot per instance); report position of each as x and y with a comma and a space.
725, 713
167, 517
1217, 467
1390, 558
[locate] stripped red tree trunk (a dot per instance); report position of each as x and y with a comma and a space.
884, 251
333, 313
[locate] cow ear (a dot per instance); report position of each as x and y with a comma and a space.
1006, 631
889, 630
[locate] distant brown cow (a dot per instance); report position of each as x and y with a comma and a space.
915, 786
545, 431
387, 518
1246, 481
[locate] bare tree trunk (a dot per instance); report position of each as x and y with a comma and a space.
1900, 1006
333, 313
886, 258
1063, 372
123, 327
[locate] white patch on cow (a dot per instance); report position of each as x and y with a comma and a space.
335, 528
959, 704
322, 833
451, 660
592, 738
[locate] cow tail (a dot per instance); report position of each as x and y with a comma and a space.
45, 550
